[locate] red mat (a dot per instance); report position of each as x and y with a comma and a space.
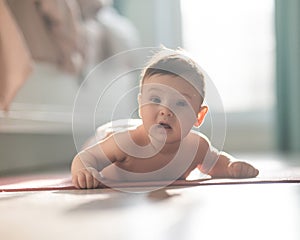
63, 182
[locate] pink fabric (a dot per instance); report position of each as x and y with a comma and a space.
57, 182
15, 60
53, 31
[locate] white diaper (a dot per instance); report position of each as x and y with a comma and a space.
112, 127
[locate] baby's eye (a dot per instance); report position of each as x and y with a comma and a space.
181, 103
155, 100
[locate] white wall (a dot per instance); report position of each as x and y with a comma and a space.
157, 21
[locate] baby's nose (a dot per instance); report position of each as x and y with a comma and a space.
164, 111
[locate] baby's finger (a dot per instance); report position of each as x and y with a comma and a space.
237, 169
81, 180
96, 178
96, 183
75, 182
252, 172
243, 171
89, 180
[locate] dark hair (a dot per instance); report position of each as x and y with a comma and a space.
176, 63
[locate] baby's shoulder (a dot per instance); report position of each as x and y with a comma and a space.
130, 136
198, 136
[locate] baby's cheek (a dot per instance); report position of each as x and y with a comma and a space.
187, 118
185, 126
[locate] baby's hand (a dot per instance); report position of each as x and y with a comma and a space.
86, 178
242, 170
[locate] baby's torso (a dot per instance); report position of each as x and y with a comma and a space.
161, 166
148, 169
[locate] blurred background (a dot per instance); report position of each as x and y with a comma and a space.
249, 48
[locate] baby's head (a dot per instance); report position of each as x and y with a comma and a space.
175, 63
172, 94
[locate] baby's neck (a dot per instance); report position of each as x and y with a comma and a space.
167, 148
158, 146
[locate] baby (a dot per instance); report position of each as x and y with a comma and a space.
163, 146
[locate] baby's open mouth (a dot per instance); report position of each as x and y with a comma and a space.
165, 125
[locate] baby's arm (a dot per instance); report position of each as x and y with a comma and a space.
220, 164
84, 169
227, 167
88, 163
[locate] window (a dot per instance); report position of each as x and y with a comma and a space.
233, 41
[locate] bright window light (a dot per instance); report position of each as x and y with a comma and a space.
233, 41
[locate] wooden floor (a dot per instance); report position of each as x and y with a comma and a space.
244, 211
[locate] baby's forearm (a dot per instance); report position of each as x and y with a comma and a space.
84, 160
84, 169
228, 167
220, 169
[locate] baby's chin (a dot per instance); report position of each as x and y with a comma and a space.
163, 140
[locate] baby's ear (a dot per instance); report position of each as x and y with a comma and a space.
201, 115
139, 98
